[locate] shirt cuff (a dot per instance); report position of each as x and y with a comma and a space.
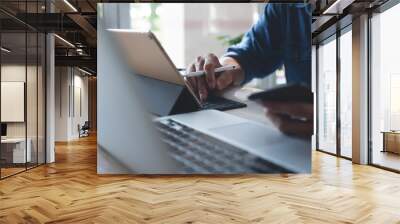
247, 78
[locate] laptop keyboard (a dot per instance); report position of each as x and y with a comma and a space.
200, 153
220, 103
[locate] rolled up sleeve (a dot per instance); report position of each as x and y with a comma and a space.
259, 53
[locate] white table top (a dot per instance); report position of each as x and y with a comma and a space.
13, 140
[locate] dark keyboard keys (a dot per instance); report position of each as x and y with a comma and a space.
222, 104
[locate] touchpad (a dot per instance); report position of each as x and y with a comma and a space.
249, 134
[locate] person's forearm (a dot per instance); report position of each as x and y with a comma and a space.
238, 74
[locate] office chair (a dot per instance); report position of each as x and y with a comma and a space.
84, 130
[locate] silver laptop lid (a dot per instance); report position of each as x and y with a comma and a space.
145, 55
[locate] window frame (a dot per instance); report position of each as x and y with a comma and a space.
378, 10
333, 37
27, 29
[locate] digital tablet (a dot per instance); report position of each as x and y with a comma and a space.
285, 93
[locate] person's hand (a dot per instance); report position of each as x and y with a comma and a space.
203, 85
291, 118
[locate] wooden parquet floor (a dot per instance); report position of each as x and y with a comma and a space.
70, 191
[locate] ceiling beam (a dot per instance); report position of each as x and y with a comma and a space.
81, 61
84, 24
49, 22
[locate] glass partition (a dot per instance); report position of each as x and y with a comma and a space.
41, 88
41, 96
22, 88
31, 99
13, 111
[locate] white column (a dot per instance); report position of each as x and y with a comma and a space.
50, 99
360, 90
314, 90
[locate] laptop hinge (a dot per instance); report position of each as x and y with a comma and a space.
185, 103
164, 98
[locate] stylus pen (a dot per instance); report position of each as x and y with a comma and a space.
217, 70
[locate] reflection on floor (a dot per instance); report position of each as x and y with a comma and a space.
346, 152
386, 159
11, 169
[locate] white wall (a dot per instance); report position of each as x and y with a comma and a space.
61, 103
11, 73
80, 118
171, 34
17, 73
69, 84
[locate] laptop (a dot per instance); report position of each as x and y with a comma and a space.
148, 58
200, 142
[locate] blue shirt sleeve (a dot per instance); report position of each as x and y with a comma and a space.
282, 36
259, 51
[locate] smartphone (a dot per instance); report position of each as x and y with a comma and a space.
285, 93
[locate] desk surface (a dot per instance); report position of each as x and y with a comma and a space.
390, 132
13, 140
253, 111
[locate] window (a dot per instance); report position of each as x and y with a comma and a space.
335, 137
346, 94
385, 89
327, 96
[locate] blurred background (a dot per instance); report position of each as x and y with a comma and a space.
190, 30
